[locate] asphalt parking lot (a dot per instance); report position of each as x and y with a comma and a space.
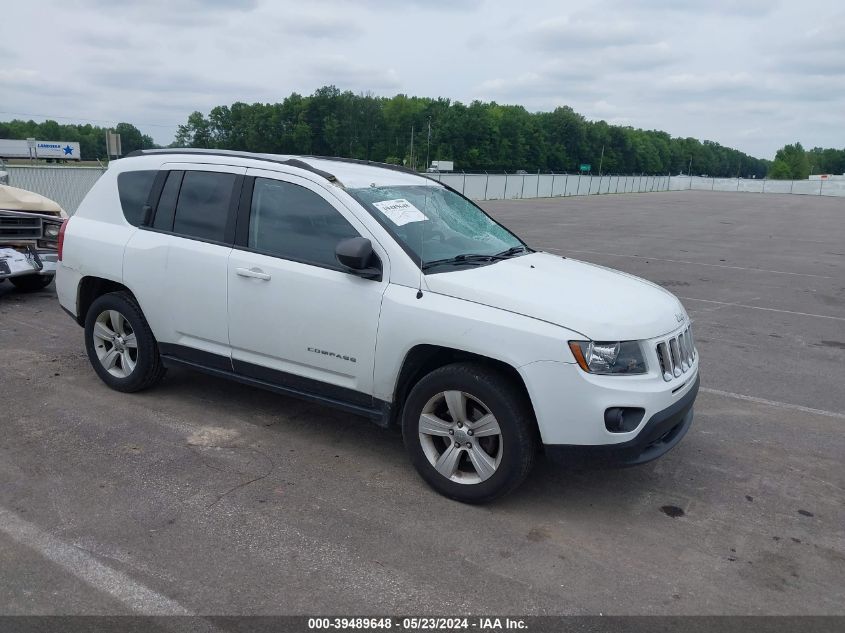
203, 496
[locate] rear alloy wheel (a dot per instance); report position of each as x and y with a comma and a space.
470, 432
115, 343
120, 344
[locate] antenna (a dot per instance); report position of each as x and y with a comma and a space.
422, 237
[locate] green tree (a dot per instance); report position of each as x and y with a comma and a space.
826, 161
131, 138
791, 162
780, 170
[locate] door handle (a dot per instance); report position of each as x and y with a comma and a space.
255, 273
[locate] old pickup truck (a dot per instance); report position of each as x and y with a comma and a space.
29, 238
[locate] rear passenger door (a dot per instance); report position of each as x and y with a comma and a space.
296, 317
177, 265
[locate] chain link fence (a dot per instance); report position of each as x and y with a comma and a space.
506, 186
486, 186
68, 185
827, 187
65, 185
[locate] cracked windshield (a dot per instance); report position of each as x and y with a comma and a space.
439, 226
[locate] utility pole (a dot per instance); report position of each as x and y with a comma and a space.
412, 147
689, 172
601, 160
428, 146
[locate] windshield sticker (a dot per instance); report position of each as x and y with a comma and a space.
400, 211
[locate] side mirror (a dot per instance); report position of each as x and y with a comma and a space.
146, 215
356, 254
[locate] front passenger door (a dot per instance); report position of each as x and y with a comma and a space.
296, 316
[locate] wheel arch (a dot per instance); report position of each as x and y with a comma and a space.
91, 288
422, 359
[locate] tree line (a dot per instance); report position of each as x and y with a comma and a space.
477, 137
91, 138
413, 131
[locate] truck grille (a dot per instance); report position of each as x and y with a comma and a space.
676, 355
18, 227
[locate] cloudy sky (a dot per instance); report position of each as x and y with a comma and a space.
751, 74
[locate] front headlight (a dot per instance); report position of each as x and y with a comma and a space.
51, 231
609, 357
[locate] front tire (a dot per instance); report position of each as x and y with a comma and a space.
120, 344
470, 432
31, 283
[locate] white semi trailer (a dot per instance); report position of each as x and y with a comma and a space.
33, 148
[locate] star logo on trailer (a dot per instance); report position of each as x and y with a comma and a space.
68, 149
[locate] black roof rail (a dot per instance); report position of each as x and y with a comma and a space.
292, 162
390, 166
371, 163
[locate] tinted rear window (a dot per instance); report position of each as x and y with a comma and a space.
203, 207
166, 208
134, 187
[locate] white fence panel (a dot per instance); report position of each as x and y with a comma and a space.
545, 188
779, 186
832, 188
807, 187
750, 186
496, 187
473, 186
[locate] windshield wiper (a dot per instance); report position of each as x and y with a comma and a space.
465, 258
473, 258
514, 250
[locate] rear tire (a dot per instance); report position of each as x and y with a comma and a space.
470, 432
31, 283
120, 344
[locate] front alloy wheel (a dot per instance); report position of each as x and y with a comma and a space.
460, 437
470, 432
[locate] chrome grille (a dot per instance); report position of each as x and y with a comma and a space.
20, 227
676, 355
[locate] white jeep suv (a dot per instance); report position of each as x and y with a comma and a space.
381, 292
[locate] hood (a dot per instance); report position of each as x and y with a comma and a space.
600, 303
14, 199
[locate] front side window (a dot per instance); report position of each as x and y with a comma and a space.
203, 207
440, 228
293, 222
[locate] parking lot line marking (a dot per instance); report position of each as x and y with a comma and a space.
683, 261
773, 403
101, 577
742, 305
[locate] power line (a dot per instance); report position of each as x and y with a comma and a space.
80, 118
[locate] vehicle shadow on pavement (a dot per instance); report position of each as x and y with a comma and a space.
551, 485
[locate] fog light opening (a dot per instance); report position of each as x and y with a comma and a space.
623, 419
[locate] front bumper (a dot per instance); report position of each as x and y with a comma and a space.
657, 437
27, 261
